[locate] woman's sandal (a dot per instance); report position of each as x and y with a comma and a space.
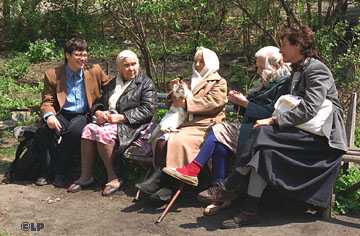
78, 186
110, 188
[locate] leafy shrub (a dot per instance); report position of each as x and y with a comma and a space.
13, 94
103, 49
350, 202
341, 52
160, 113
42, 50
17, 67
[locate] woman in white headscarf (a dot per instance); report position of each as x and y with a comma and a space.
205, 108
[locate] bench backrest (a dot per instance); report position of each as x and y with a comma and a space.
351, 121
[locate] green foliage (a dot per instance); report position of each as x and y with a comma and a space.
160, 113
16, 68
13, 93
341, 52
42, 50
351, 202
101, 49
241, 78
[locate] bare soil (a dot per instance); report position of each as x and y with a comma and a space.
87, 213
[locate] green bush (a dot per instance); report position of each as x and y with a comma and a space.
351, 202
17, 67
103, 49
42, 50
13, 93
341, 52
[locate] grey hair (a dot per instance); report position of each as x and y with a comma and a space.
273, 57
126, 54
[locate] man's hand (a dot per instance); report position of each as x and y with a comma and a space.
116, 118
267, 121
101, 117
237, 98
53, 123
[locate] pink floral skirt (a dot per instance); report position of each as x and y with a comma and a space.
106, 134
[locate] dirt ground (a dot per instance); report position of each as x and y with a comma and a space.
88, 213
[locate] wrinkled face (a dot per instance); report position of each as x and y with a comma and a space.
260, 65
76, 60
291, 53
199, 62
128, 68
263, 70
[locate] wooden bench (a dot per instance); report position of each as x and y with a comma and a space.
351, 156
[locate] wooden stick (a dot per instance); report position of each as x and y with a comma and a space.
173, 199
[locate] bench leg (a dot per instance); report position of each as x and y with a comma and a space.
326, 213
173, 199
138, 192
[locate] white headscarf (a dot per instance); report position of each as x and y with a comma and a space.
212, 65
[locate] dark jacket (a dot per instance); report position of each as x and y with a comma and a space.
137, 103
261, 103
260, 106
314, 82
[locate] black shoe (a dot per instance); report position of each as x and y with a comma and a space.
163, 194
152, 184
41, 181
59, 181
242, 219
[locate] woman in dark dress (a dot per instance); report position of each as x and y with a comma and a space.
300, 164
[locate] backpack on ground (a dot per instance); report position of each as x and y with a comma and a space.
30, 157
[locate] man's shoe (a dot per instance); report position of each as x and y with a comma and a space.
41, 181
59, 181
216, 194
191, 180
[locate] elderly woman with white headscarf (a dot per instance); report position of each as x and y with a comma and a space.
127, 106
222, 140
205, 108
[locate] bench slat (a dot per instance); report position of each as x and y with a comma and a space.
350, 158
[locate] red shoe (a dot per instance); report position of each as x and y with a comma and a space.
191, 180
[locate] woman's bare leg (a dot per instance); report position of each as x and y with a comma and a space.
88, 154
106, 152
